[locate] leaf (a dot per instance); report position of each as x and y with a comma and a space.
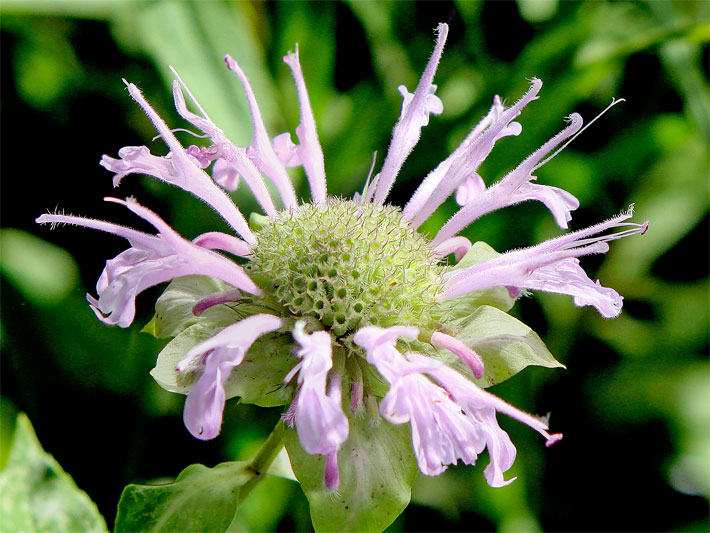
258, 379
505, 344
377, 469
200, 499
164, 371
173, 310
44, 273
37, 495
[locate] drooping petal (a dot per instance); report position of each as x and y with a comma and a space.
458, 246
224, 173
320, 422
309, 151
414, 116
221, 353
150, 260
469, 189
380, 345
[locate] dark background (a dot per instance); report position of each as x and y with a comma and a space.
634, 401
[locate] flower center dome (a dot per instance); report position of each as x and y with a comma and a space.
347, 264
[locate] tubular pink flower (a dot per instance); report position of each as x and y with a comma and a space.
413, 117
450, 421
152, 259
221, 353
515, 187
309, 151
215, 240
215, 298
320, 422
551, 266
463, 163
177, 168
261, 151
226, 151
463, 352
455, 245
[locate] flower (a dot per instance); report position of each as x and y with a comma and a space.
368, 306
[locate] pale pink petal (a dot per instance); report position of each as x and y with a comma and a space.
458, 246
414, 116
226, 174
215, 298
226, 150
216, 240
151, 260
286, 150
265, 157
184, 173
455, 346
469, 189
221, 353
309, 151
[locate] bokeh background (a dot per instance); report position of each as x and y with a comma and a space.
634, 402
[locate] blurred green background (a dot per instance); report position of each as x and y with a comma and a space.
634, 402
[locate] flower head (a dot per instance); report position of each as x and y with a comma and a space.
367, 304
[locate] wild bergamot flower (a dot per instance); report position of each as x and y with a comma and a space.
339, 307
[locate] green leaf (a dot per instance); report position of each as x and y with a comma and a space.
377, 469
37, 495
259, 379
200, 499
505, 344
173, 310
164, 371
44, 273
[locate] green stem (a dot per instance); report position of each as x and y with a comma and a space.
263, 459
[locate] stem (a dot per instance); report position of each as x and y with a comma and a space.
263, 459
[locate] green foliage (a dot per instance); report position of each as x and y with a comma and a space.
43, 272
200, 499
37, 495
377, 468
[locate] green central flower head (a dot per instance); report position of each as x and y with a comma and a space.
347, 264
